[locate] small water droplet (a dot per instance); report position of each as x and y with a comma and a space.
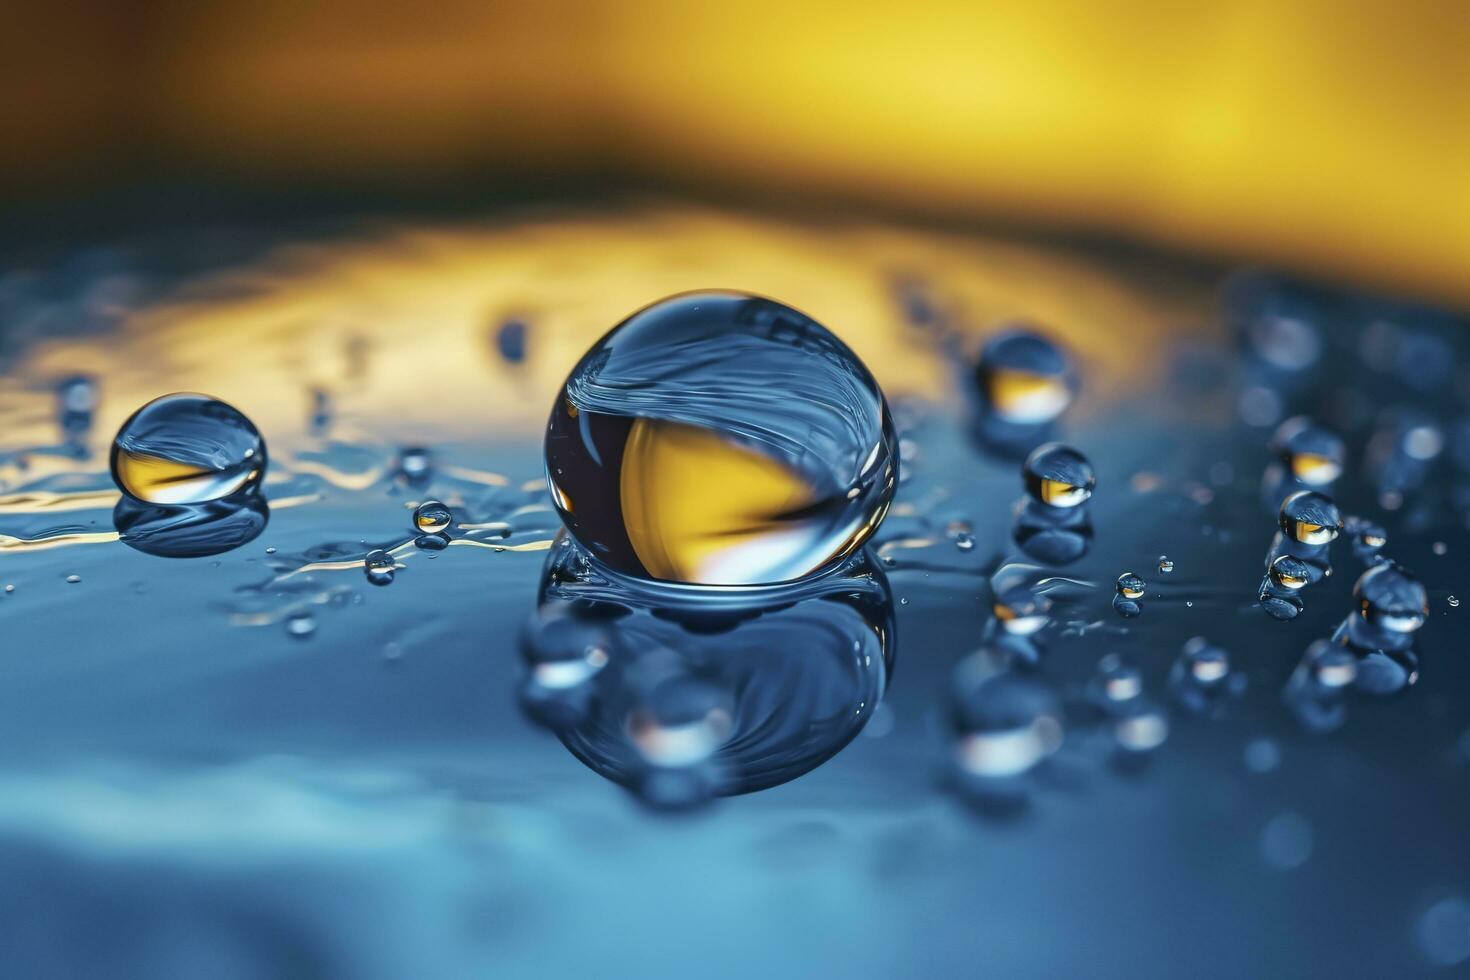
1058, 476
1454, 602
187, 449
1440, 548
1130, 586
380, 567
964, 541
73, 579
1166, 565
903, 601
414, 463
1025, 379
11, 588
300, 625
270, 550
432, 517
1310, 517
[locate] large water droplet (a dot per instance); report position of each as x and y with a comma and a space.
187, 449
720, 439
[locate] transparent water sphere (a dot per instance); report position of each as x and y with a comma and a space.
1310, 517
187, 449
1058, 476
719, 438
432, 517
1025, 378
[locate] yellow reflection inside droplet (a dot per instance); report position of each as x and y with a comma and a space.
1060, 494
168, 481
1022, 396
1315, 469
699, 508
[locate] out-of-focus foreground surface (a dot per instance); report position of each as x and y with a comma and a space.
1327, 137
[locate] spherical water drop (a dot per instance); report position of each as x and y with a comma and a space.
1311, 454
1310, 517
1024, 378
1058, 476
187, 449
964, 541
1454, 602
73, 579
1166, 564
1130, 586
1391, 600
379, 567
432, 517
720, 439
1290, 572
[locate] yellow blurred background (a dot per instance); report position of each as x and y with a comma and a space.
1327, 137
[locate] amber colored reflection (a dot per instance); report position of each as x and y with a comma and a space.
399, 326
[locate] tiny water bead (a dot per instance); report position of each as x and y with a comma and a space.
1166, 564
1130, 586
1058, 476
1454, 602
1025, 379
719, 438
379, 567
187, 449
73, 579
432, 517
1310, 517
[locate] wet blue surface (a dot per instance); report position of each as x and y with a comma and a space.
189, 789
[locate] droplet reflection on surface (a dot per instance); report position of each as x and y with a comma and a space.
379, 567
681, 695
187, 449
720, 439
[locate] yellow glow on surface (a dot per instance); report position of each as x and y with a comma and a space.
398, 325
